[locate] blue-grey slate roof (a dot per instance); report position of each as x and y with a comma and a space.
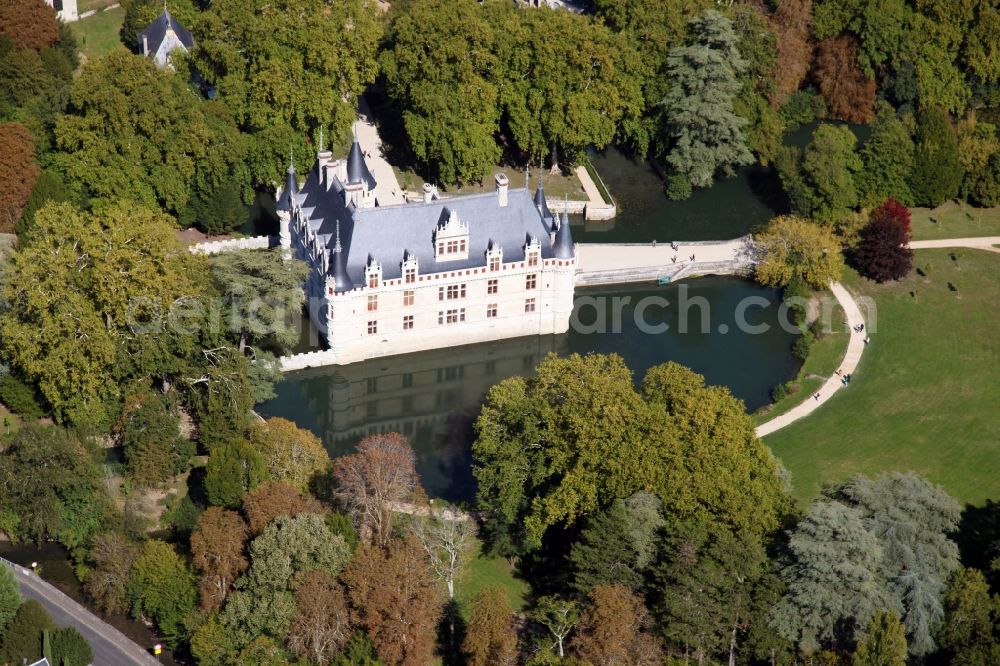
357, 168
157, 30
386, 232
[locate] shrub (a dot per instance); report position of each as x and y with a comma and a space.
21, 398
801, 347
678, 187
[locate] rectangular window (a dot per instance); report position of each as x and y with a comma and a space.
408, 322
411, 275
492, 286
407, 379
532, 259
372, 302
529, 305
531, 281
371, 384
451, 292
372, 327
491, 311
494, 263
373, 281
451, 316
408, 297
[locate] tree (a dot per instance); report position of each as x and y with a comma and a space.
820, 182
439, 68
968, 634
702, 135
18, 172
617, 544
888, 160
270, 500
372, 481
152, 443
884, 642
53, 487
162, 588
232, 470
568, 82
937, 173
23, 639
29, 24
285, 72
264, 602
448, 536
849, 94
883, 253
10, 598
70, 648
792, 24
558, 617
262, 294
218, 547
291, 454
758, 46
703, 586
49, 187
832, 578
137, 133
110, 560
542, 458
394, 599
491, 639
613, 630
321, 625
795, 249
111, 277
979, 154
913, 520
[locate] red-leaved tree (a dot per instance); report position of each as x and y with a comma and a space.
396, 600
883, 253
29, 24
268, 501
18, 170
218, 550
792, 24
848, 93
374, 482
893, 210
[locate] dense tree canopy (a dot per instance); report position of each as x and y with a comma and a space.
937, 172
820, 181
687, 444
792, 248
163, 589
29, 24
18, 172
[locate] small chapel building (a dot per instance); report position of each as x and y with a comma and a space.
431, 274
164, 36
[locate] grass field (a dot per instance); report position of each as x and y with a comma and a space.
98, 34
824, 359
484, 571
926, 394
952, 220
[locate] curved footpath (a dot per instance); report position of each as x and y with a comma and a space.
110, 646
856, 345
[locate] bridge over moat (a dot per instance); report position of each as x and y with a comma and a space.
622, 263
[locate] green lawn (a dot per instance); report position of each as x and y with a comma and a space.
926, 394
98, 34
952, 220
824, 359
483, 571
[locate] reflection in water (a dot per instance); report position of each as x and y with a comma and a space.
434, 397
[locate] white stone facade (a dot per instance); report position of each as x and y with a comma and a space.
65, 9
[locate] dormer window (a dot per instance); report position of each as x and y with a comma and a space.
409, 268
532, 250
494, 257
373, 273
451, 238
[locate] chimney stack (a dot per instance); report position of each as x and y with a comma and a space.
502, 183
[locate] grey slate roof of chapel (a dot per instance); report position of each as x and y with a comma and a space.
385, 233
157, 30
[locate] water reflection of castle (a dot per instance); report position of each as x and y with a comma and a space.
432, 397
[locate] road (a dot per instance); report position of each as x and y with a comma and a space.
110, 646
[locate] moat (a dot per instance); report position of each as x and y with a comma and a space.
434, 397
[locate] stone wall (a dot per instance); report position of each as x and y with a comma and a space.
252, 243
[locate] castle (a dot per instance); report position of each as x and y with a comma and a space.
435, 273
